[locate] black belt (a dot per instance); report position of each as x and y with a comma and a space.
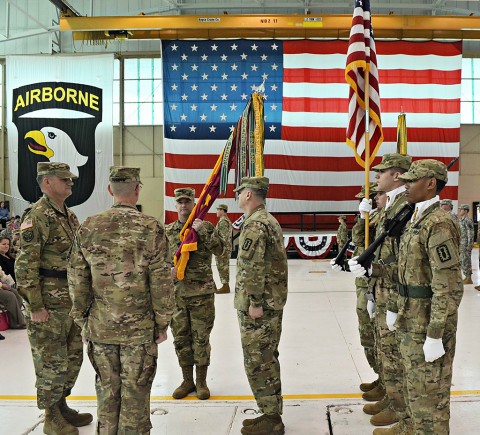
415, 291
49, 273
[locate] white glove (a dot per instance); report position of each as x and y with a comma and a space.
336, 267
371, 309
391, 319
433, 349
357, 269
365, 206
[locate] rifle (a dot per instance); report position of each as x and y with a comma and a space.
392, 228
340, 258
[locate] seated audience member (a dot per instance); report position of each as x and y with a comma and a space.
4, 214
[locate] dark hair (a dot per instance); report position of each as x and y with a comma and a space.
397, 169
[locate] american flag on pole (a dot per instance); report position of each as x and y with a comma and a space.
311, 169
362, 60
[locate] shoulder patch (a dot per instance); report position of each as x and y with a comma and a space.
443, 253
27, 235
26, 225
246, 244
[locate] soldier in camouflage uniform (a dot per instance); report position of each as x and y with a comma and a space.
194, 313
224, 229
47, 233
430, 290
447, 205
466, 242
342, 232
122, 295
260, 295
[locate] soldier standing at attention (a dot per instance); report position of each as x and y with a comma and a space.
224, 229
260, 295
466, 242
194, 312
342, 232
447, 205
47, 233
122, 295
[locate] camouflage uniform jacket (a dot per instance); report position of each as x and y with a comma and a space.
387, 253
198, 279
224, 229
119, 280
466, 232
262, 271
429, 257
342, 235
46, 238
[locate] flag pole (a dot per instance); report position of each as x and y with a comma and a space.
367, 150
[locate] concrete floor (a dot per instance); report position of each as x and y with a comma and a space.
320, 354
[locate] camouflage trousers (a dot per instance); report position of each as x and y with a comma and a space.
260, 339
466, 261
192, 323
57, 356
223, 266
123, 381
388, 353
366, 325
428, 384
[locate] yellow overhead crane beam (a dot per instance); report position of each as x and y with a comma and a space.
266, 26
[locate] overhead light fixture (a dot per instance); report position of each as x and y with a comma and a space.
118, 34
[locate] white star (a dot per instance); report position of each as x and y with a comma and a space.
173, 107
274, 46
274, 67
223, 57
174, 87
244, 76
254, 47
264, 57
214, 47
184, 56
244, 96
212, 129
174, 67
223, 97
231, 128
204, 76
233, 88
243, 56
224, 76
204, 97
264, 76
193, 108
213, 108
194, 67
213, 87
204, 57
194, 47
273, 128
203, 117
194, 87
234, 47
184, 76
253, 88
183, 117
184, 97
214, 67
223, 117
174, 47
273, 107
254, 67
233, 107
274, 87
192, 128
234, 67
173, 127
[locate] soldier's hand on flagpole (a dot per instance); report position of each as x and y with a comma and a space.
197, 224
364, 207
173, 273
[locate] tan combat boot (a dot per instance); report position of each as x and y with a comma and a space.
367, 386
384, 418
374, 395
224, 289
468, 280
401, 428
73, 416
265, 425
477, 287
201, 383
55, 423
187, 386
375, 408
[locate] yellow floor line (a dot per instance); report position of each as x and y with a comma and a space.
240, 398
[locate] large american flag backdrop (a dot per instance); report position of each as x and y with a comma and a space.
311, 169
